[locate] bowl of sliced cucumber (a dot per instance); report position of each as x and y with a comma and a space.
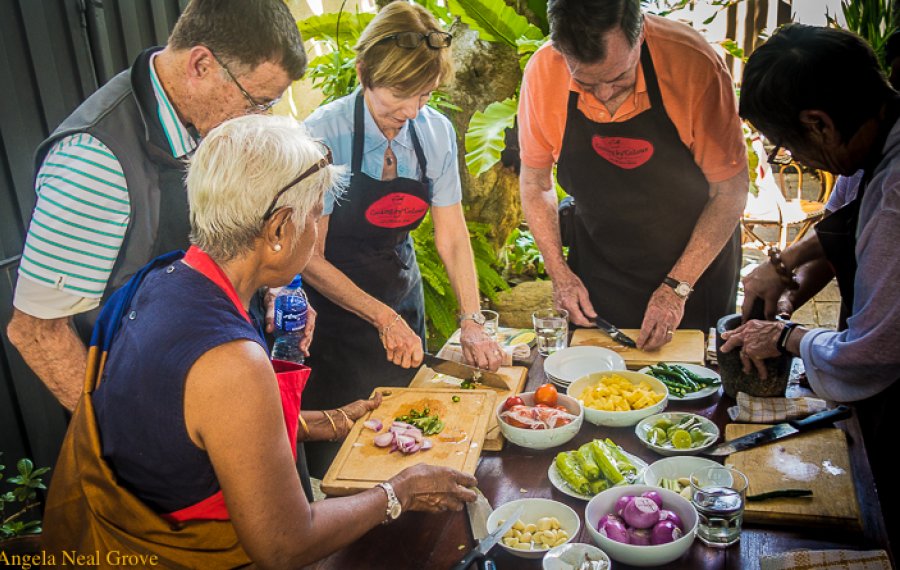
677, 433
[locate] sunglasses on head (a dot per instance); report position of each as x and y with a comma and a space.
411, 40
319, 165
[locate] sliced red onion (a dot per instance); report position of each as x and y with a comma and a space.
402, 425
384, 439
426, 444
373, 424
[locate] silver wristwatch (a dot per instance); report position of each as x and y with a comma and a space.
476, 316
682, 288
393, 505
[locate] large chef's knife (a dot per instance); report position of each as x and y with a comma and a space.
465, 372
780, 431
478, 514
614, 332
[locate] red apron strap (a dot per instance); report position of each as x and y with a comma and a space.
291, 381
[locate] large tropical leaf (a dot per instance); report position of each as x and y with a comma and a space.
325, 26
438, 9
494, 20
486, 134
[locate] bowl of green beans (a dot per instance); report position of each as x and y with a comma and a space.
685, 381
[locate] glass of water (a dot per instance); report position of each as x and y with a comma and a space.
491, 322
552, 329
719, 494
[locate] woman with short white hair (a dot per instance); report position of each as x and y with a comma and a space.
183, 445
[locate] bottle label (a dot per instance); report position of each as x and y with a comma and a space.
290, 313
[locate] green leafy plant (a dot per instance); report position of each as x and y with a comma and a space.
440, 302
521, 258
871, 19
21, 499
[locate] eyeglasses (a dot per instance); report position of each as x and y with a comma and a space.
780, 156
256, 107
322, 163
411, 40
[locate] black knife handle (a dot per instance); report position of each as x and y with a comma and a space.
471, 557
822, 419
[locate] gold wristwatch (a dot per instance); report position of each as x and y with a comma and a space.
393, 505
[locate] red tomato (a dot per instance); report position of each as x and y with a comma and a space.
546, 394
513, 401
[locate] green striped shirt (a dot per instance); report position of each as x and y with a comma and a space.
83, 209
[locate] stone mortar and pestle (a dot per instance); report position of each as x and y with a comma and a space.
731, 369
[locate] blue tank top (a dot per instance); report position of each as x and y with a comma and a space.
175, 317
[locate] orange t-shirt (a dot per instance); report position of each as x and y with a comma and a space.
696, 88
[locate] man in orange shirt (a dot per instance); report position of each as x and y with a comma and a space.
639, 115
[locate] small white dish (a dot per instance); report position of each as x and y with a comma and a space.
570, 556
699, 371
535, 509
706, 425
675, 468
570, 364
618, 418
556, 479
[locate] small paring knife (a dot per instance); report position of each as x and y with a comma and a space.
465, 372
614, 332
780, 431
478, 513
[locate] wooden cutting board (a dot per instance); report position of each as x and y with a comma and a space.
515, 378
818, 460
686, 346
360, 465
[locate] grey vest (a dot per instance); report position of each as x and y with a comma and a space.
123, 115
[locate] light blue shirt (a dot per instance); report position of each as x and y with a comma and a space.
333, 124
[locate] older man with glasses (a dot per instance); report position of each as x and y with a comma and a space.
109, 181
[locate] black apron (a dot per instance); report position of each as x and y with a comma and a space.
638, 195
368, 240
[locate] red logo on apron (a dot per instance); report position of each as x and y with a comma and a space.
624, 153
396, 210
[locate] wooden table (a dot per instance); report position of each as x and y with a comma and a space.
437, 541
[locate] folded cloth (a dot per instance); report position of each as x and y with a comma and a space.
826, 560
751, 409
711, 354
517, 351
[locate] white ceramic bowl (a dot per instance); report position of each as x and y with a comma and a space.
675, 468
618, 419
645, 425
534, 510
570, 364
569, 556
635, 555
542, 438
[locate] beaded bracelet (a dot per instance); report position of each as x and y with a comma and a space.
788, 278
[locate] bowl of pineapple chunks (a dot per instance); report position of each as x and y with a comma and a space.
619, 398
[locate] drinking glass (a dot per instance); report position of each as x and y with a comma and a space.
552, 329
491, 322
719, 494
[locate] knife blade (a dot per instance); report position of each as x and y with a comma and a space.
614, 333
780, 431
465, 372
488, 542
479, 510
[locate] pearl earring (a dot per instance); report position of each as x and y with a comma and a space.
277, 247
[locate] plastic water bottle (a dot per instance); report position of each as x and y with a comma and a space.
290, 321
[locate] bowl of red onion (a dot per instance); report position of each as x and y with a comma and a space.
641, 525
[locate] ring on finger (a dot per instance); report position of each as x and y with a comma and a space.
669, 332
